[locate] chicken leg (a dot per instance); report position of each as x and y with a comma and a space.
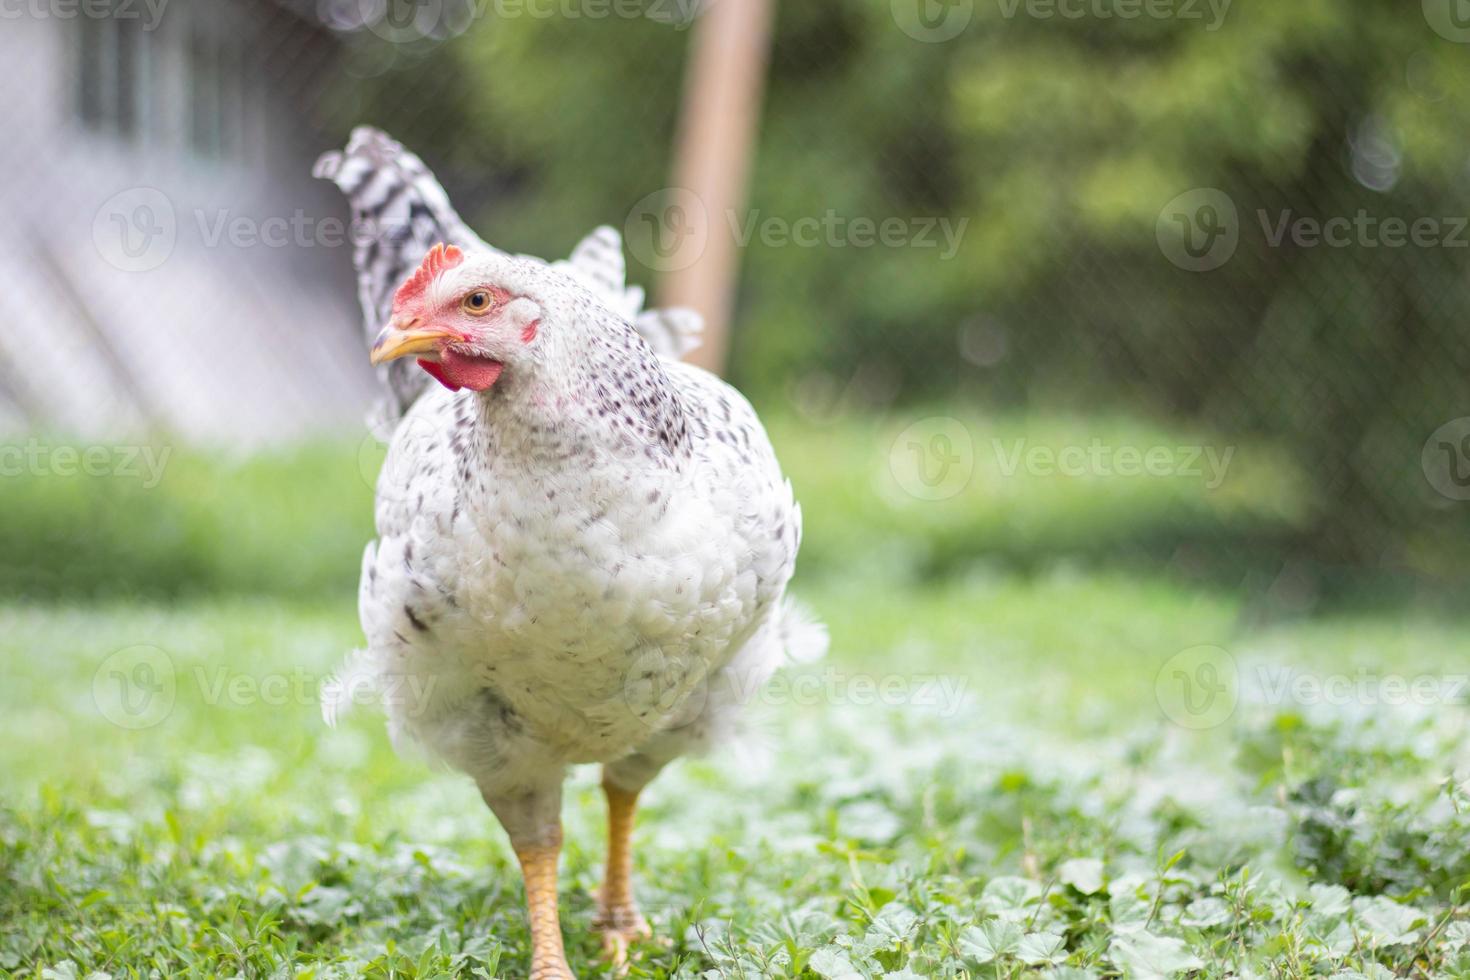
533, 823
617, 911
538, 866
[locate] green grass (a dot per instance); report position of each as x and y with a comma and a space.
171, 803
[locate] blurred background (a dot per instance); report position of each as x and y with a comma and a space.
1117, 350
1038, 231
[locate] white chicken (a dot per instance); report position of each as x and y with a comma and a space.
583, 544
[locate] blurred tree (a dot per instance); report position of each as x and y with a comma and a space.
1062, 130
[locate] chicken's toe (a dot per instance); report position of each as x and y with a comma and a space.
621, 927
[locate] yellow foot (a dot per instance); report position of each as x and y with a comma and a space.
551, 969
621, 927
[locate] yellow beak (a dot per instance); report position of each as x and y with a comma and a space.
395, 341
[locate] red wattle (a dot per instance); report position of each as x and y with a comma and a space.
455, 371
437, 374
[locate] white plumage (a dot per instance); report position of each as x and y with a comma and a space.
584, 562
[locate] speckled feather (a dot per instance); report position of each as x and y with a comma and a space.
587, 561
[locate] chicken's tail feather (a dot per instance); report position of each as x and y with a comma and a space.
597, 262
671, 331
399, 211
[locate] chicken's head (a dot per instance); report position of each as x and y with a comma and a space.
464, 320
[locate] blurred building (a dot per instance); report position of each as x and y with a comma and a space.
166, 260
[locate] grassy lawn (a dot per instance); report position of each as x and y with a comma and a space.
998, 771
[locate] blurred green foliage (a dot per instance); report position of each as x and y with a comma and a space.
292, 523
1061, 139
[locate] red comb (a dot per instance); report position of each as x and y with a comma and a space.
440, 258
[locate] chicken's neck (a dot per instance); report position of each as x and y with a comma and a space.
608, 400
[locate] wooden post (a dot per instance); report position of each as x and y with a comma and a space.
716, 142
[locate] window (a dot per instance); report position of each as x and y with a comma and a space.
215, 82
113, 75
182, 84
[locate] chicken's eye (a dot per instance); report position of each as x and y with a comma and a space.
478, 303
